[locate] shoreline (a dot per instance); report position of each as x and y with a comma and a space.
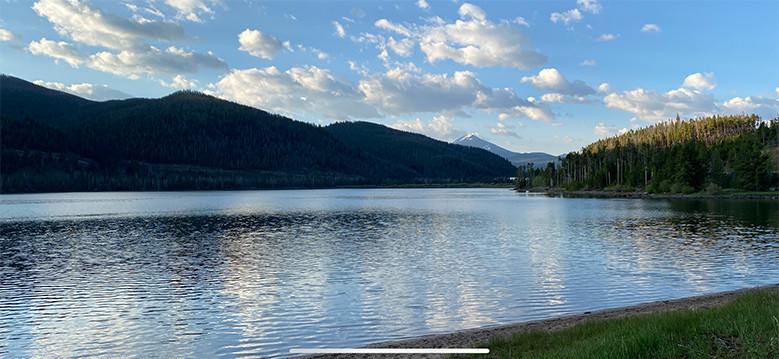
470, 338
644, 195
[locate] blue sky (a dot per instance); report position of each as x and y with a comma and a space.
547, 76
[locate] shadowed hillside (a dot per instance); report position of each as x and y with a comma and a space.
52, 141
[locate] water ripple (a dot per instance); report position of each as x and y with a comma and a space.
253, 274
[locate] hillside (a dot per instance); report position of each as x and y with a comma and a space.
539, 159
425, 158
711, 154
52, 141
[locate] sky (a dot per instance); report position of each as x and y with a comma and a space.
548, 76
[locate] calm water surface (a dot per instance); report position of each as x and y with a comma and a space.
255, 273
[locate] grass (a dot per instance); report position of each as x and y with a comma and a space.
745, 328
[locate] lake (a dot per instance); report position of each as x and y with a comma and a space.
256, 273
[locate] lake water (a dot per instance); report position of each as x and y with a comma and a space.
256, 273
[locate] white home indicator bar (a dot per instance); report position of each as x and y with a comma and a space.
392, 351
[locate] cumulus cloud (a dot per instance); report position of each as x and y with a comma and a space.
193, 9
423, 4
86, 90
590, 6
474, 40
172, 61
701, 81
607, 37
401, 91
589, 62
181, 82
604, 87
90, 25
398, 91
567, 17
441, 128
309, 90
553, 80
762, 106
650, 28
649, 105
404, 47
259, 44
339, 29
58, 50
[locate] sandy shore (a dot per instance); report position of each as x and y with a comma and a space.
472, 337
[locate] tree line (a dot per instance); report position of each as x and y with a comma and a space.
711, 154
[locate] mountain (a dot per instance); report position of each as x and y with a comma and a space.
539, 159
53, 141
422, 155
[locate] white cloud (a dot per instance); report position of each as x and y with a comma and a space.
521, 21
567, 17
607, 37
589, 62
701, 81
172, 61
502, 129
339, 29
6, 35
423, 4
388, 25
590, 6
309, 90
649, 105
86, 90
472, 11
441, 128
604, 87
58, 50
259, 44
474, 40
556, 125
88, 24
762, 106
402, 91
404, 47
649, 28
604, 130
560, 98
192, 9
180, 82
553, 80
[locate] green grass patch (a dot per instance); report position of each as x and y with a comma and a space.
745, 328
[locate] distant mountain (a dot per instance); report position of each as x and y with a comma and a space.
53, 141
539, 159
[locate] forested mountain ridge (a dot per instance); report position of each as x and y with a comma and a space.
431, 160
712, 153
52, 141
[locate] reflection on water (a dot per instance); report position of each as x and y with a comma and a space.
257, 273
